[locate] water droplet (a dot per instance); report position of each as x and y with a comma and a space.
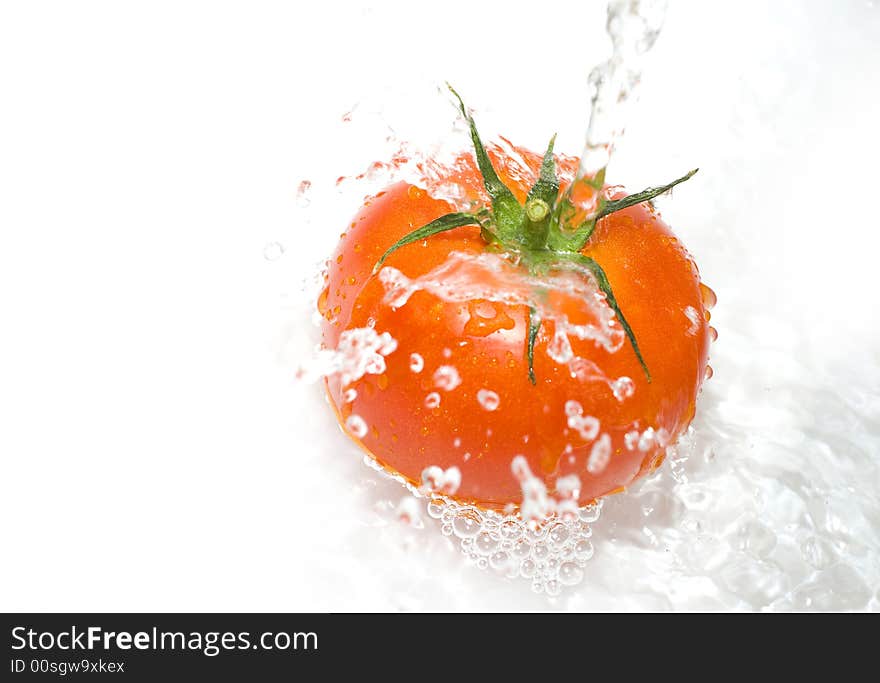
350, 395
600, 454
273, 251
447, 378
499, 560
432, 400
467, 523
302, 194
409, 512
623, 388
585, 425
709, 372
356, 425
488, 399
583, 549
527, 568
708, 296
484, 543
435, 508
416, 362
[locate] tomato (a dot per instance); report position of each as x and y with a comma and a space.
458, 389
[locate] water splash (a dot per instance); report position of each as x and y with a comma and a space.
633, 26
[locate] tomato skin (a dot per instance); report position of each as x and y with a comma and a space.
654, 280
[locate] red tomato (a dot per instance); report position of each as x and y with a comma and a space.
656, 285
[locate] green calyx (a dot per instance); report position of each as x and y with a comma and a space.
543, 231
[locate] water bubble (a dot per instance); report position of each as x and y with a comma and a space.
499, 560
467, 523
510, 528
435, 508
273, 251
590, 513
447, 378
484, 543
527, 568
559, 534
416, 362
553, 588
432, 400
522, 549
583, 549
446, 529
489, 400
356, 425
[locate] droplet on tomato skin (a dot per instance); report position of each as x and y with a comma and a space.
416, 362
623, 388
631, 439
586, 426
713, 333
488, 399
350, 395
573, 408
647, 439
600, 454
569, 486
356, 425
446, 377
447, 353
432, 400
322, 300
709, 372
708, 295
382, 381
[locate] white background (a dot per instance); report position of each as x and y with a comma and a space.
154, 452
